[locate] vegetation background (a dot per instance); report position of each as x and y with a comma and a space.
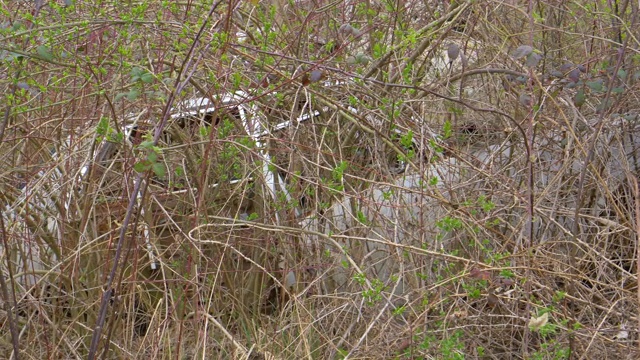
456, 180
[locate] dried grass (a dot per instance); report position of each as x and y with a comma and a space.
427, 213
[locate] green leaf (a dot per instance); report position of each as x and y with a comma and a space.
7, 55
146, 78
136, 73
147, 144
595, 85
447, 130
559, 296
622, 74
407, 140
142, 166
351, 60
362, 59
120, 96
44, 52
152, 157
103, 126
580, 98
158, 169
132, 94
115, 137
140, 74
617, 90
533, 59
556, 73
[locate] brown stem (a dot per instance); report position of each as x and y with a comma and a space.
9, 302
140, 179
